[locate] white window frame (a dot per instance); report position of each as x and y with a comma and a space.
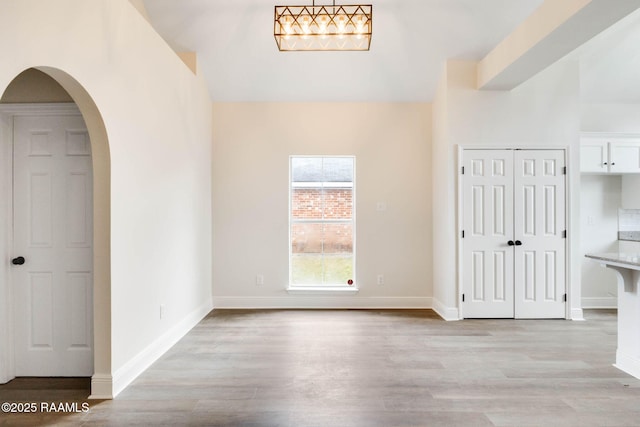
323, 288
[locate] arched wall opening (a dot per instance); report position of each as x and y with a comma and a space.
101, 384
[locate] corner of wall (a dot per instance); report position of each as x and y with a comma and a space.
143, 360
190, 59
447, 313
140, 7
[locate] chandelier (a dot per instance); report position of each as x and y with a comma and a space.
328, 27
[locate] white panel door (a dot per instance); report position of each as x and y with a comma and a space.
53, 231
488, 227
539, 233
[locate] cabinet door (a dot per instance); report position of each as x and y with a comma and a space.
624, 157
594, 156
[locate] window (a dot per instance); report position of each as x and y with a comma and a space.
322, 224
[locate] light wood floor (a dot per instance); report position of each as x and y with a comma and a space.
365, 368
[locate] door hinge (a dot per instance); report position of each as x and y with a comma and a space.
463, 234
462, 297
564, 170
564, 234
564, 298
463, 170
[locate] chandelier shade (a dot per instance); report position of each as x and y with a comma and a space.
327, 27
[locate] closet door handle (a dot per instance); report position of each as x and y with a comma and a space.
518, 243
510, 243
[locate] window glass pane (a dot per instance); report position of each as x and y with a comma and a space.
306, 238
306, 203
338, 238
338, 269
337, 202
321, 217
338, 169
306, 169
306, 269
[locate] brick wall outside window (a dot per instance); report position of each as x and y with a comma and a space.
307, 203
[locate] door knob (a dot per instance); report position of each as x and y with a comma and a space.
510, 243
518, 243
18, 261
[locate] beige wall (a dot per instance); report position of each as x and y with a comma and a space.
34, 86
251, 148
155, 169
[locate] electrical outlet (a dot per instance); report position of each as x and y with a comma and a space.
259, 279
380, 279
163, 311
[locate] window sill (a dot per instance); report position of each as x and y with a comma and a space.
322, 290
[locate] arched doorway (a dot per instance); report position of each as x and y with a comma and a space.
100, 258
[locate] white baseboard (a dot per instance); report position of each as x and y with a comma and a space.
577, 314
321, 302
628, 364
101, 387
599, 302
137, 365
447, 313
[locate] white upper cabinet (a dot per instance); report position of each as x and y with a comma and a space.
594, 155
624, 156
610, 154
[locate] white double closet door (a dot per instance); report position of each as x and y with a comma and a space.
514, 244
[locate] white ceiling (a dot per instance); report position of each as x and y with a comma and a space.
610, 64
411, 41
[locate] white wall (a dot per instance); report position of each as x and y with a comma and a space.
630, 192
544, 111
157, 117
610, 117
251, 149
600, 199
444, 220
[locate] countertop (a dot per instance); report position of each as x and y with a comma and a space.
629, 236
624, 259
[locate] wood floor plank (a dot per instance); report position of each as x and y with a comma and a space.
364, 368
